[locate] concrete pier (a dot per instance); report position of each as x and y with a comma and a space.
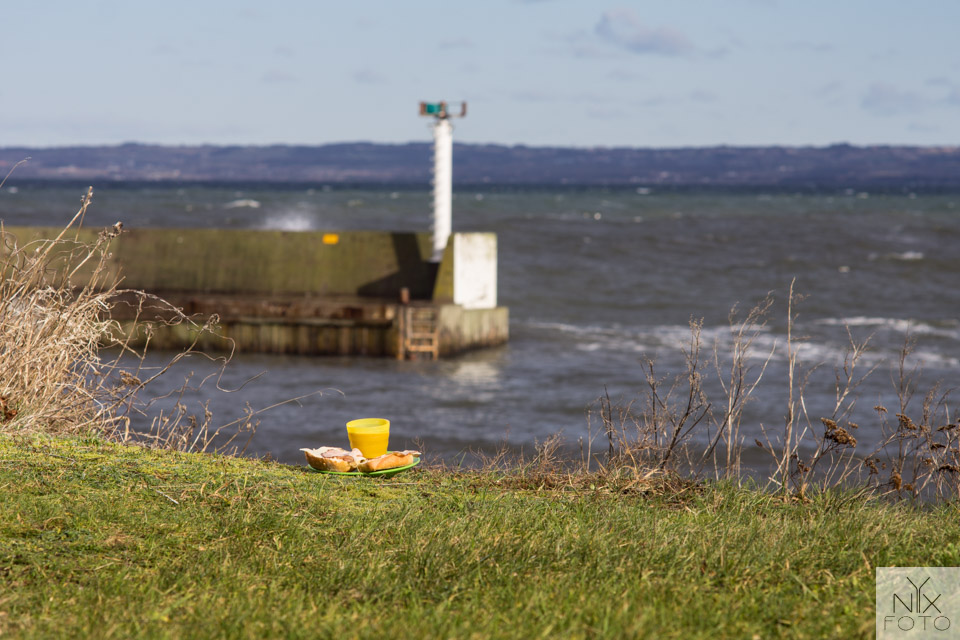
368, 293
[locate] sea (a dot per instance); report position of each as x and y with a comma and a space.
603, 286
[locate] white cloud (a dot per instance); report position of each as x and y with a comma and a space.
701, 97
534, 95
923, 127
830, 88
887, 100
551, 95
276, 76
625, 75
581, 44
369, 76
605, 113
457, 43
164, 49
810, 47
718, 52
623, 28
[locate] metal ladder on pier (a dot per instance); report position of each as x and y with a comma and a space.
420, 332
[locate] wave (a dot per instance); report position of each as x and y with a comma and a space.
830, 350
950, 328
242, 203
904, 256
289, 221
650, 340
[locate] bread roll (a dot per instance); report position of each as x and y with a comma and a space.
327, 464
388, 461
333, 459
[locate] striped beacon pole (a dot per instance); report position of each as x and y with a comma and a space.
442, 170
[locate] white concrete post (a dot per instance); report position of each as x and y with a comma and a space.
442, 185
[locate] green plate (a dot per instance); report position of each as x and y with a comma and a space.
383, 472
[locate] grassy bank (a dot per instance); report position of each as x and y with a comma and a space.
102, 540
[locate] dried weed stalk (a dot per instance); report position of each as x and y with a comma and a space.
919, 456
676, 429
657, 437
738, 382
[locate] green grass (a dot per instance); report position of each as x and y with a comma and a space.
100, 540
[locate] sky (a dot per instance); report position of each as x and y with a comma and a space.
684, 73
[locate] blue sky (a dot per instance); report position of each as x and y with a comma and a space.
536, 72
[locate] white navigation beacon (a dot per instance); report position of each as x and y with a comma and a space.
442, 170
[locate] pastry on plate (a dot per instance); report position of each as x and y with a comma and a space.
388, 461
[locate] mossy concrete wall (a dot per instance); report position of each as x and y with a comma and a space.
351, 263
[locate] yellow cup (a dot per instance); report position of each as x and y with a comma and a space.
370, 435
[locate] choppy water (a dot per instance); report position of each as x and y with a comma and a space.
596, 282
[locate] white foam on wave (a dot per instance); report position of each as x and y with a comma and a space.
577, 329
651, 340
765, 344
903, 256
242, 203
906, 256
289, 221
595, 337
898, 325
591, 346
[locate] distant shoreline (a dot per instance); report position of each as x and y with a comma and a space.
468, 188
407, 166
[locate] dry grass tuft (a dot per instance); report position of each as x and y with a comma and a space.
555, 469
51, 331
67, 368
